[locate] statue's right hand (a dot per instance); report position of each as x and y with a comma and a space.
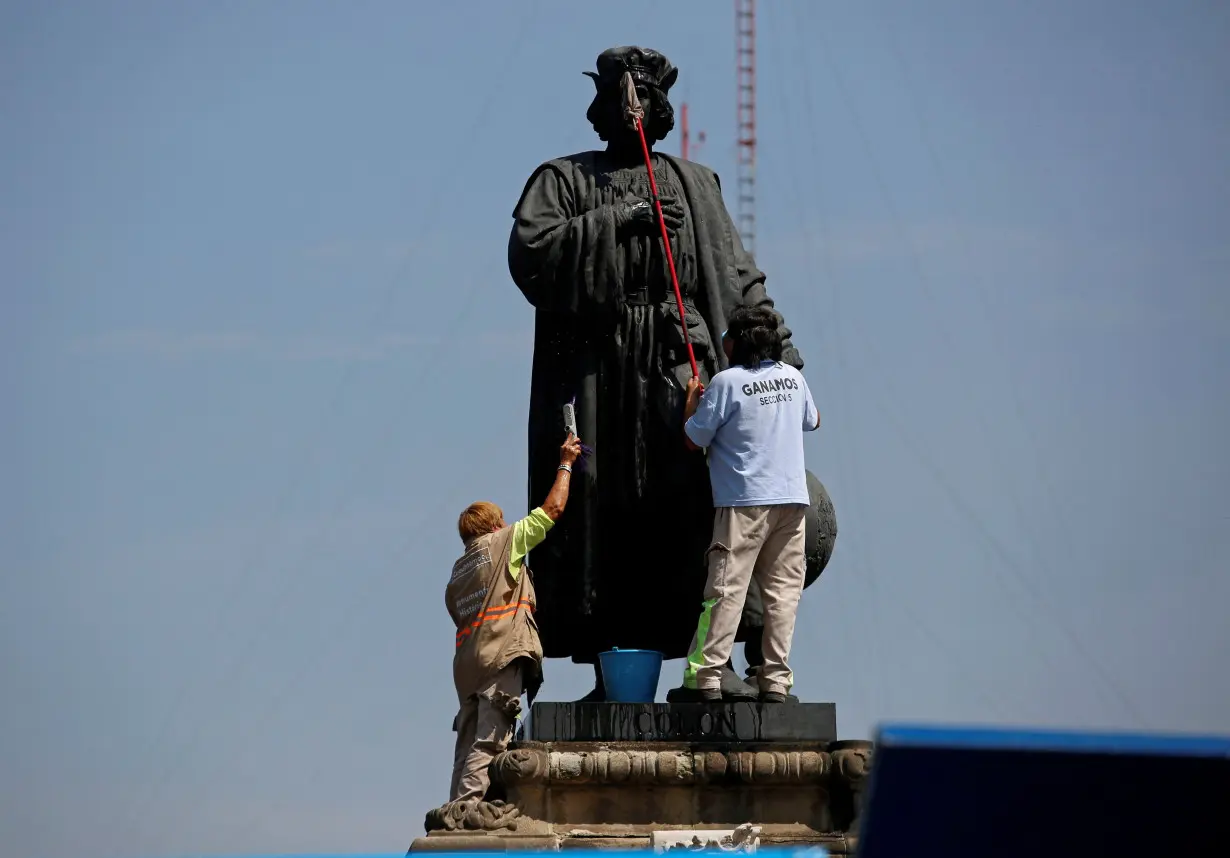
641, 214
635, 211
571, 450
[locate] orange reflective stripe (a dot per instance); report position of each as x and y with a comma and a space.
494, 613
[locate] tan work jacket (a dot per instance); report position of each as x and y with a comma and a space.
494, 615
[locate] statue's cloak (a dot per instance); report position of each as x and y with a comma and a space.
625, 566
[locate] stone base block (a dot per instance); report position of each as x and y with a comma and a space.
692, 723
622, 776
597, 794
836, 845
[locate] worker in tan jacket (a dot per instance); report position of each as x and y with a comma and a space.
490, 597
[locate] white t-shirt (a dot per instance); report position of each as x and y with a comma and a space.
752, 421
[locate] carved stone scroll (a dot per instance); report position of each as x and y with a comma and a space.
472, 816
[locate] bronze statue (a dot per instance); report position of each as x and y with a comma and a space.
626, 565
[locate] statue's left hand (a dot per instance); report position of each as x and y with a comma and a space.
672, 213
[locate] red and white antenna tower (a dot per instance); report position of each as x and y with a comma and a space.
686, 148
745, 119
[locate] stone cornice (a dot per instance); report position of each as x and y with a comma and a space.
678, 766
547, 785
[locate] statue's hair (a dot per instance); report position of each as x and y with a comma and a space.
755, 336
477, 519
606, 112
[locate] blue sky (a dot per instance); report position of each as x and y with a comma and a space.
260, 346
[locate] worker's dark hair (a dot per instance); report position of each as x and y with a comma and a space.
754, 336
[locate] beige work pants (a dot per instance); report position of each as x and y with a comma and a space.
767, 543
484, 729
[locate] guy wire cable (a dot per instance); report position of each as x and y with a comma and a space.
390, 291
1041, 464
827, 266
1051, 612
846, 614
305, 664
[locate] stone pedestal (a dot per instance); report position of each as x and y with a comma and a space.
633, 776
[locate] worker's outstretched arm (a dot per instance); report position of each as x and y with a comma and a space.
553, 506
531, 530
702, 417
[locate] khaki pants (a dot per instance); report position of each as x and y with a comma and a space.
761, 542
484, 729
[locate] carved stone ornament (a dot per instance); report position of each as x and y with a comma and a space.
852, 764
519, 765
472, 816
745, 838
662, 767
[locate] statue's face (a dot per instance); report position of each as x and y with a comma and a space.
621, 132
642, 92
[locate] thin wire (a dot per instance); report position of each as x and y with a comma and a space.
1055, 616
332, 638
994, 544
843, 461
857, 497
345, 626
383, 311
1010, 563
841, 346
847, 463
983, 300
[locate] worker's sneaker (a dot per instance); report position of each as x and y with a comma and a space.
774, 697
733, 689
683, 694
753, 681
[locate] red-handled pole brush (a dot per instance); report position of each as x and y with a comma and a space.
634, 111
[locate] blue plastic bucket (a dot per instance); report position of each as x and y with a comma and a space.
631, 675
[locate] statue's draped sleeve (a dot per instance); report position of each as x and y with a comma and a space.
563, 259
749, 282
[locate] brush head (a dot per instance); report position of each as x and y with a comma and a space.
586, 452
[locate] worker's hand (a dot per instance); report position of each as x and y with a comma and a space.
571, 451
695, 391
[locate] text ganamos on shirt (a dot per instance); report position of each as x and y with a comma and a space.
771, 385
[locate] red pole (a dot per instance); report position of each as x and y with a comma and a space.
666, 242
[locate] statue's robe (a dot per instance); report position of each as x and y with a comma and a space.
625, 566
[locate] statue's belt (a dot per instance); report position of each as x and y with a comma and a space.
645, 297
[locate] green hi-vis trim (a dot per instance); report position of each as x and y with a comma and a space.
696, 656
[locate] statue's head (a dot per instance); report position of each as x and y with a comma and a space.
653, 75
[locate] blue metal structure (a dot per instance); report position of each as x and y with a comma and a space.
1008, 793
